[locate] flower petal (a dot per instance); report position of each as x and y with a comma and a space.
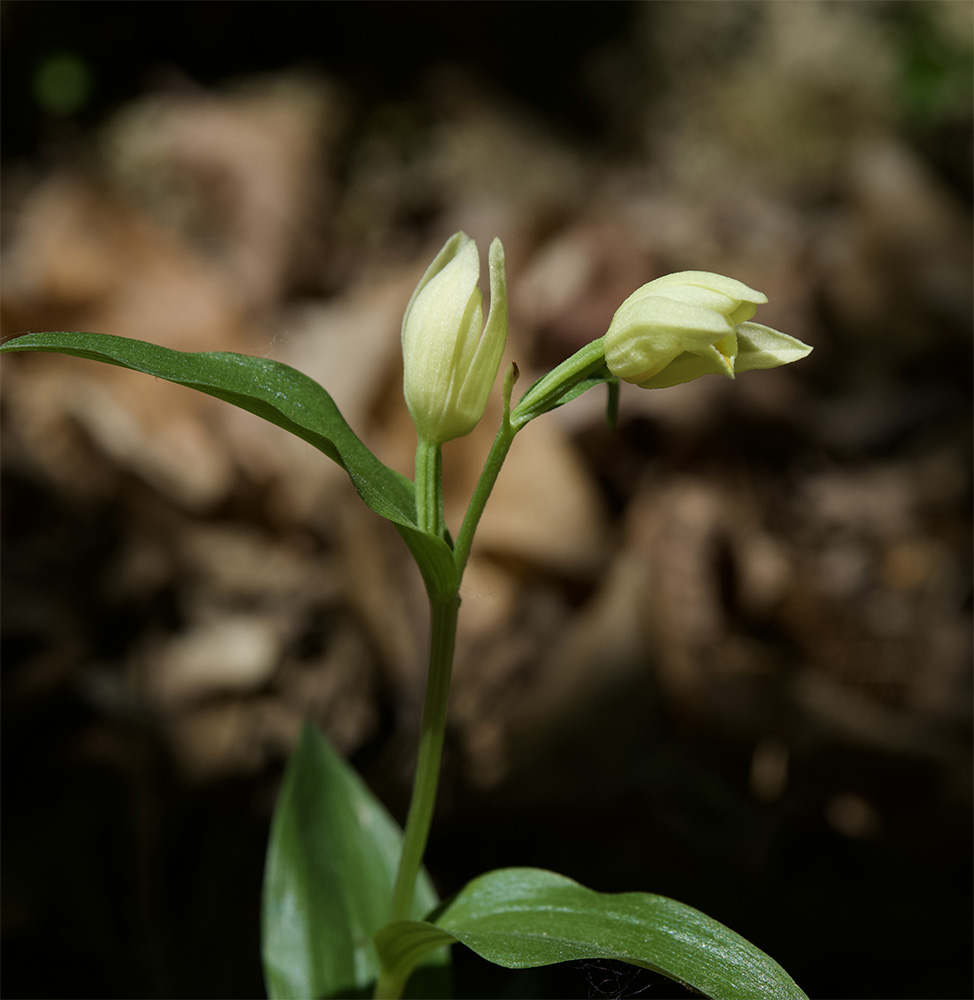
761, 347
723, 363
730, 287
471, 398
683, 368
692, 295
646, 334
688, 366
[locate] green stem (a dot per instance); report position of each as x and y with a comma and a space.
389, 986
495, 459
429, 487
443, 633
488, 476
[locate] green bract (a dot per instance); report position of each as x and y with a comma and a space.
450, 359
692, 323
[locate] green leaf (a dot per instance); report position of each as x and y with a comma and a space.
331, 866
543, 395
612, 402
600, 378
283, 396
524, 917
579, 373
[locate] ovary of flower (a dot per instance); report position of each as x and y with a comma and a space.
450, 358
692, 323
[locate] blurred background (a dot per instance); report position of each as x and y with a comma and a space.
720, 653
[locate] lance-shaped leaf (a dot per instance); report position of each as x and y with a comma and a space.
331, 866
524, 917
284, 396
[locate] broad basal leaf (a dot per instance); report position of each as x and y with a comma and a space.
523, 917
331, 866
285, 397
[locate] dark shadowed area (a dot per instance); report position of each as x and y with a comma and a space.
721, 652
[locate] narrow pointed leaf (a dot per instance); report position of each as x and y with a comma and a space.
524, 414
599, 378
331, 866
524, 917
283, 396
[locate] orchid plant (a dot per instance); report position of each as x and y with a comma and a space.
348, 908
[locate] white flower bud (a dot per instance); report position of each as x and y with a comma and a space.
450, 360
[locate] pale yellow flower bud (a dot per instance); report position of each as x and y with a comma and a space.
450, 359
692, 323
